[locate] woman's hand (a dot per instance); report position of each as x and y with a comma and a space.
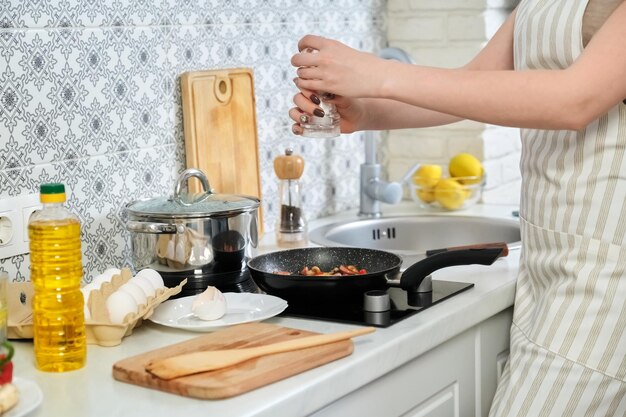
352, 111
338, 69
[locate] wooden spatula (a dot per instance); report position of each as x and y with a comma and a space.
196, 362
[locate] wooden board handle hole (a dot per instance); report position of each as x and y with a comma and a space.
223, 89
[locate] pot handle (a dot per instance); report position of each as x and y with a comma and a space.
415, 274
155, 228
182, 181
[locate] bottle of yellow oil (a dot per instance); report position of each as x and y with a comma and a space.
56, 271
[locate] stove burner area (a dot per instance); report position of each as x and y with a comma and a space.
379, 310
237, 280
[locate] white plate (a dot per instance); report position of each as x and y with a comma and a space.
30, 397
240, 308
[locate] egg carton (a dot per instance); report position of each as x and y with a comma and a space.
99, 329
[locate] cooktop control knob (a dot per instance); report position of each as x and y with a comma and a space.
376, 301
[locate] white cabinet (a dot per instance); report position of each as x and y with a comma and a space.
456, 379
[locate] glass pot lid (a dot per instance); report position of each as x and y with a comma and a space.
183, 205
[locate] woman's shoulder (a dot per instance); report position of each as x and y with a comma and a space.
596, 13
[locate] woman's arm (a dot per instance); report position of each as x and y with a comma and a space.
382, 114
391, 114
548, 99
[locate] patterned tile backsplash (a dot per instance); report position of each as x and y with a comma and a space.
90, 96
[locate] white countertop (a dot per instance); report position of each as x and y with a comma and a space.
92, 391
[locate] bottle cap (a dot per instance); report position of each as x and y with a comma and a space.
52, 193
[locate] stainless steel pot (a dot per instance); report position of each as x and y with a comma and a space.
193, 232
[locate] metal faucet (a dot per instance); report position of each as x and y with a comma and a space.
373, 189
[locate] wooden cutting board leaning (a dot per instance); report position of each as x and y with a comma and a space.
219, 116
237, 379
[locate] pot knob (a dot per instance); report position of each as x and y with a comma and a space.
182, 182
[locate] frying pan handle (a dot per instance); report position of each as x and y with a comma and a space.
503, 245
415, 274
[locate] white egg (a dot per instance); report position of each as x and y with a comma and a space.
86, 290
112, 271
209, 305
135, 291
119, 304
87, 312
100, 279
153, 276
145, 285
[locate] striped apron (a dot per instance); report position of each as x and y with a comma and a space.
568, 337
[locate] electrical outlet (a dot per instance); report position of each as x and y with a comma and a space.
26, 212
14, 215
6, 228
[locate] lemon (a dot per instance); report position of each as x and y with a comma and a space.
450, 194
427, 175
427, 195
466, 165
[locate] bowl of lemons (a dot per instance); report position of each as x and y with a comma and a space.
455, 186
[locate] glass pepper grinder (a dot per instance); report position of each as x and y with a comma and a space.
322, 127
291, 228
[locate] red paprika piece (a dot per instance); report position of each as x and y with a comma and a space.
6, 366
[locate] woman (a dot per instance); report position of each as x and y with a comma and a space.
568, 338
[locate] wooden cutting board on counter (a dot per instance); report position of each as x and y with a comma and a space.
219, 116
236, 379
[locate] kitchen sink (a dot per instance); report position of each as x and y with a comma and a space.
411, 236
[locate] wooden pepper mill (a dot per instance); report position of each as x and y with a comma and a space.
291, 228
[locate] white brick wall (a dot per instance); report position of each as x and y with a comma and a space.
448, 33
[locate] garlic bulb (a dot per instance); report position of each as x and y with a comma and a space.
209, 305
170, 253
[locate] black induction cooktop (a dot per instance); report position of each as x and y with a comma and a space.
402, 306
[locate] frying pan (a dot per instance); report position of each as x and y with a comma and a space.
382, 270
